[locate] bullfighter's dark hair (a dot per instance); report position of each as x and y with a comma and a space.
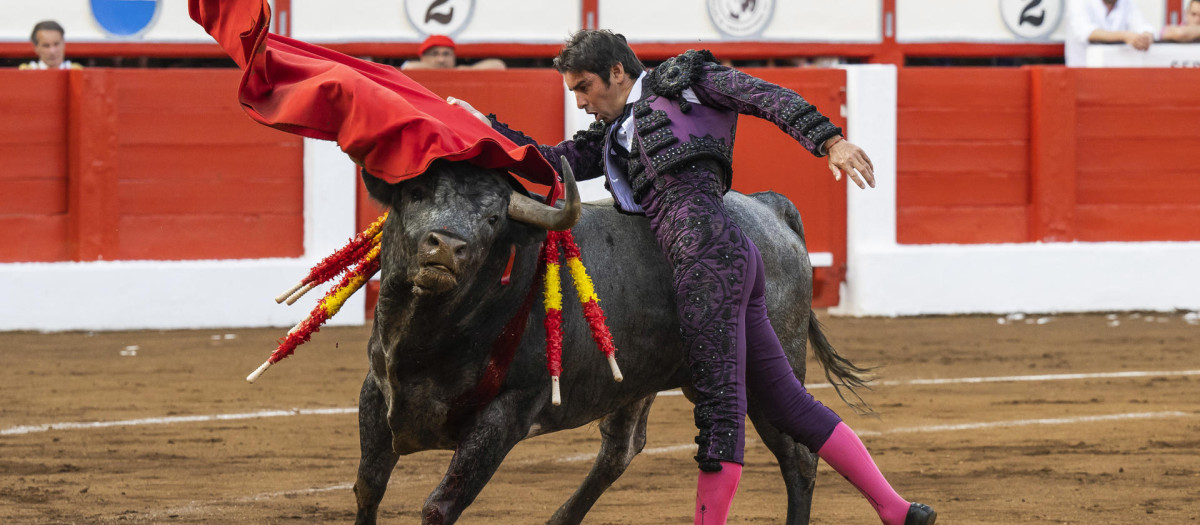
45, 25
597, 51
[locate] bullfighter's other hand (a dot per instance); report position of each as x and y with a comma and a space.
463, 104
846, 156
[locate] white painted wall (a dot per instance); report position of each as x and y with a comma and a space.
126, 295
526, 21
980, 20
688, 21
885, 278
551, 21
172, 25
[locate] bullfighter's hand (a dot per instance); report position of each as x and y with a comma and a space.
463, 104
847, 157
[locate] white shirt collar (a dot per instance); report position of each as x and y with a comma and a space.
635, 94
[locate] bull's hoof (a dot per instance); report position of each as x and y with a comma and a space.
920, 514
432, 516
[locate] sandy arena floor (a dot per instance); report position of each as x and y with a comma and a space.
1069, 419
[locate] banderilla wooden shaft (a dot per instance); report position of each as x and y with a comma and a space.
616, 370
283, 296
296, 295
259, 371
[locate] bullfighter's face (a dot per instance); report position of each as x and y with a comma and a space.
1193, 13
604, 100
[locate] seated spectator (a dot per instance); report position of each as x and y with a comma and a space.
1099, 21
1190, 30
48, 43
437, 52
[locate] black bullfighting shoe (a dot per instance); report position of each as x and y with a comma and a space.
920, 514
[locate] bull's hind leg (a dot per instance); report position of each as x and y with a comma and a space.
378, 459
796, 463
623, 435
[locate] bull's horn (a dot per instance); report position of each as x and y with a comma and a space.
534, 213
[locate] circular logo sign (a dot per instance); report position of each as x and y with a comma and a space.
741, 18
125, 18
439, 17
1031, 19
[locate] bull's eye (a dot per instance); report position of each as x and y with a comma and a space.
416, 194
493, 219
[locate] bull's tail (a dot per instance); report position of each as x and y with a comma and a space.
844, 375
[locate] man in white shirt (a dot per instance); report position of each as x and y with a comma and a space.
1099, 21
48, 43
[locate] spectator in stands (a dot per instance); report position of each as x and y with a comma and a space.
48, 43
1099, 21
437, 52
1190, 30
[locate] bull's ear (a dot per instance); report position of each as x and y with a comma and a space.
378, 188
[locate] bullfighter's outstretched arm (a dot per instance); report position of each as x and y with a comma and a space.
582, 151
731, 89
724, 87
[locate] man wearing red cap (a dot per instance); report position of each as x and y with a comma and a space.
437, 52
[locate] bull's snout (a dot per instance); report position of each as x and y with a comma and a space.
444, 250
441, 254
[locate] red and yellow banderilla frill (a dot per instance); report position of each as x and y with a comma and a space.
337, 262
363, 253
553, 302
365, 266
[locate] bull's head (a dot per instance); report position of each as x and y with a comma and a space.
446, 223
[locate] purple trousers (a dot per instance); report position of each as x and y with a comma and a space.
719, 282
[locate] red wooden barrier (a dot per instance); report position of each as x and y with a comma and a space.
1137, 174
1052, 154
1048, 154
92, 213
33, 166
163, 164
199, 178
142, 164
962, 161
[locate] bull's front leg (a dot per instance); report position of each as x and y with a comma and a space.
488, 440
378, 459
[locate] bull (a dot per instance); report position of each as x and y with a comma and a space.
454, 232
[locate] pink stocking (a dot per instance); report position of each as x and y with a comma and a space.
714, 493
849, 457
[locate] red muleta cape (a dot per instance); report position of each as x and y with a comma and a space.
382, 119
